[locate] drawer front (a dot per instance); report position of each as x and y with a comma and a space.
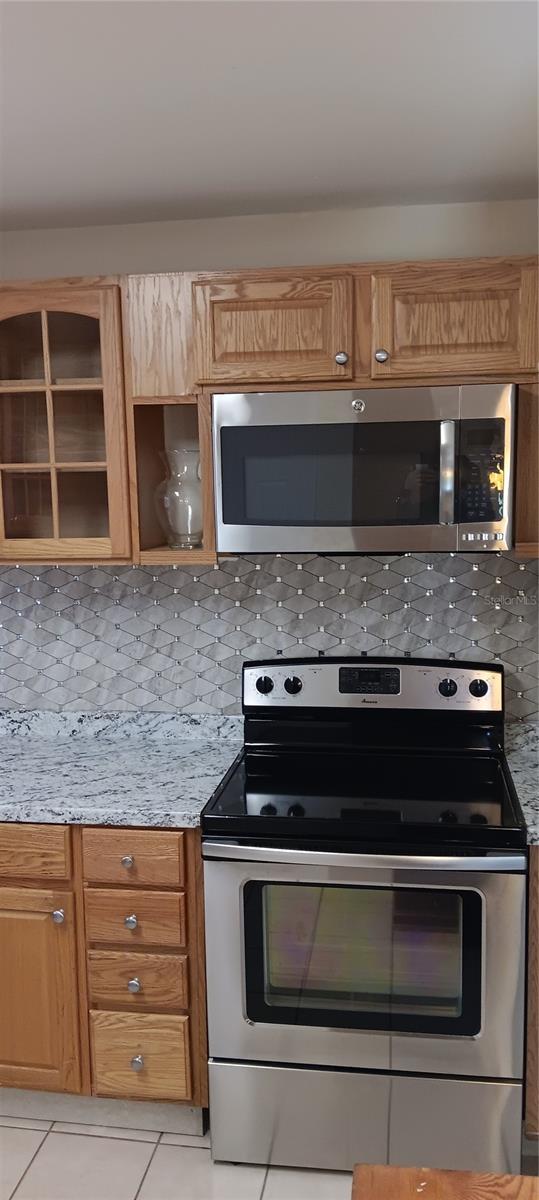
157, 980
35, 852
145, 857
140, 1056
157, 918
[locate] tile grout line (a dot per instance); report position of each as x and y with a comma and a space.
150, 1161
265, 1180
27, 1168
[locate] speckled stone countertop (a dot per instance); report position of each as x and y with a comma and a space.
83, 769
154, 769
522, 750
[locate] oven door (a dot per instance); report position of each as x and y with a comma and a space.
337, 471
376, 962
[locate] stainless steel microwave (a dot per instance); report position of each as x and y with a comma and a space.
365, 471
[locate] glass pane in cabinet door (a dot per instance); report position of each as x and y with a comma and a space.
27, 504
83, 508
24, 435
21, 347
79, 427
74, 346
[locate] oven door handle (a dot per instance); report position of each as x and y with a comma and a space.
496, 860
447, 473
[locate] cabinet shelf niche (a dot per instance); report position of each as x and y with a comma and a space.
157, 427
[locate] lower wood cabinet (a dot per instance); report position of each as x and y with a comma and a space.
102, 989
157, 981
39, 1035
144, 964
141, 1056
130, 918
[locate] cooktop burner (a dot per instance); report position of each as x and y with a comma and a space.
407, 770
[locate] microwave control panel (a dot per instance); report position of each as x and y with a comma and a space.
481, 471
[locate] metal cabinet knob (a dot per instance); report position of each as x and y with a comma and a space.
131, 921
134, 985
341, 358
137, 1062
128, 861
58, 916
358, 405
381, 355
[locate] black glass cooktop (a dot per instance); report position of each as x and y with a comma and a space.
390, 797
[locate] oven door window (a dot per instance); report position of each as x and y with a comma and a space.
331, 475
399, 959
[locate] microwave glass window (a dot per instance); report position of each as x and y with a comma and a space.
331, 475
383, 958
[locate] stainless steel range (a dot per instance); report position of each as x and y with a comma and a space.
365, 882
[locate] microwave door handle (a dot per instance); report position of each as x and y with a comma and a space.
447, 473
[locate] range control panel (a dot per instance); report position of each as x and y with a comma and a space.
349, 683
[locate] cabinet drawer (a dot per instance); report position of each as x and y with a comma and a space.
160, 917
35, 852
162, 979
158, 1044
133, 856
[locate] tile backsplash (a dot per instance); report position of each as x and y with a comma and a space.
126, 639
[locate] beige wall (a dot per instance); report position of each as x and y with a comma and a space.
348, 235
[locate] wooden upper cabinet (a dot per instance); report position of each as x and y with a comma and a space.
294, 327
39, 1045
63, 458
157, 324
454, 319
527, 472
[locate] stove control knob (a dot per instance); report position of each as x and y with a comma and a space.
478, 819
448, 817
264, 684
296, 810
293, 685
268, 810
479, 687
447, 687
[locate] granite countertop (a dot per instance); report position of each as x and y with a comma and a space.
129, 770
522, 750
154, 769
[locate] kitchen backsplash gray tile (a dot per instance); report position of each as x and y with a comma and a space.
131, 639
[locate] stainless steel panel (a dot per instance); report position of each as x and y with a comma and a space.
290, 1116
333, 539
443, 404
393, 866
335, 407
447, 472
483, 401
459, 1125
297, 1118
496, 1052
419, 688
330, 408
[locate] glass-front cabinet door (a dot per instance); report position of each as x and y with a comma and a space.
63, 484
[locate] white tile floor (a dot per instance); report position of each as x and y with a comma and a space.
60, 1160
43, 1160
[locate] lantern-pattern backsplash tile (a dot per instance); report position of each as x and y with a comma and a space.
170, 639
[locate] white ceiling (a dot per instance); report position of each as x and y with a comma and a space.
138, 110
